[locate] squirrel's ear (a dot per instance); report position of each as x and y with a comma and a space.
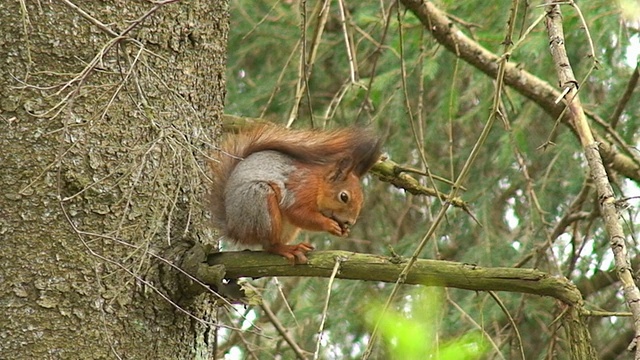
341, 170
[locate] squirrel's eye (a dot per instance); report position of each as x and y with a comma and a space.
344, 197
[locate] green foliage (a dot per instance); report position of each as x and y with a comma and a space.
411, 334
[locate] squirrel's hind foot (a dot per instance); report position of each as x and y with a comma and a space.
296, 254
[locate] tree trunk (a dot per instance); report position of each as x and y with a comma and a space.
105, 112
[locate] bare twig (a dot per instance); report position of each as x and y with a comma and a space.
82, 76
91, 19
307, 61
336, 268
374, 63
351, 51
283, 332
514, 326
626, 96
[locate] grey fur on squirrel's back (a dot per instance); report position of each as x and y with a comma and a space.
245, 196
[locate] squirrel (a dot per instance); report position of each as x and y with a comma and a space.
270, 182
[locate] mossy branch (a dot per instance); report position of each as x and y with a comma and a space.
357, 266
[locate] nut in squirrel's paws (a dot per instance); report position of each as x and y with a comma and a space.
338, 225
345, 227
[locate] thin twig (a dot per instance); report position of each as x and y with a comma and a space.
480, 328
351, 51
514, 326
626, 96
307, 61
283, 331
325, 310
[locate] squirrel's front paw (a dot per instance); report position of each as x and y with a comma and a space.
335, 228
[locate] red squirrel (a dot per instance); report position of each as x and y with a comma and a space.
270, 182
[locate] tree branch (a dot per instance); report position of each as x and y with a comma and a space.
532, 87
606, 195
356, 266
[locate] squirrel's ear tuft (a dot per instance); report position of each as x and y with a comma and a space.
365, 155
364, 152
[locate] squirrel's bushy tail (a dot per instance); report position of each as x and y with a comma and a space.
358, 146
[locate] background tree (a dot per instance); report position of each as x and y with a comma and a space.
531, 198
106, 110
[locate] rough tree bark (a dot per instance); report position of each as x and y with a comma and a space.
105, 110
